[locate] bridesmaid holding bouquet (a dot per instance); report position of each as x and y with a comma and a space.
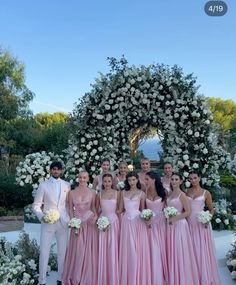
82, 252
182, 266
201, 234
134, 257
155, 201
108, 271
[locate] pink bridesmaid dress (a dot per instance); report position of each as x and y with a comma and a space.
108, 269
157, 243
182, 266
82, 252
203, 245
134, 256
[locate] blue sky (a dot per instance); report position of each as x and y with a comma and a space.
64, 44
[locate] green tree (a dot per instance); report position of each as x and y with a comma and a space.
224, 114
14, 96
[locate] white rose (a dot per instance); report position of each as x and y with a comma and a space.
187, 184
218, 220
196, 134
226, 222
195, 165
233, 262
233, 274
185, 157
82, 140
190, 132
186, 174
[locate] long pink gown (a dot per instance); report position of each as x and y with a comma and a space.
203, 245
182, 266
108, 269
157, 243
82, 252
134, 257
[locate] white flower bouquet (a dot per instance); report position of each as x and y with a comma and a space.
103, 223
76, 224
147, 214
121, 185
204, 218
51, 216
170, 212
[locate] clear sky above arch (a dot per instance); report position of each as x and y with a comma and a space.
64, 44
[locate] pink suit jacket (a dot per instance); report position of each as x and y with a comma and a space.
45, 197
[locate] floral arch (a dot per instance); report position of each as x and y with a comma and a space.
129, 97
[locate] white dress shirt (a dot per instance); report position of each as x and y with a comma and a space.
56, 188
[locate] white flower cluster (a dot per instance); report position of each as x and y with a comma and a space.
231, 261
204, 217
121, 185
147, 214
12, 269
128, 98
75, 223
170, 212
29, 215
51, 216
103, 223
35, 168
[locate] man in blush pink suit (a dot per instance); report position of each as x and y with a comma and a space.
52, 194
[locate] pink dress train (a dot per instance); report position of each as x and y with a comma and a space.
134, 257
182, 266
108, 269
203, 245
82, 252
157, 242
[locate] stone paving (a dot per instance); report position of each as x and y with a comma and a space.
9, 226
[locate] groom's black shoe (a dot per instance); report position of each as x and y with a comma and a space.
43, 284
58, 282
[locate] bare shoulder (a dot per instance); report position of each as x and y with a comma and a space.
207, 193
143, 195
92, 191
189, 192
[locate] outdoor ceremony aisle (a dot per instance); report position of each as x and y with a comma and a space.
223, 241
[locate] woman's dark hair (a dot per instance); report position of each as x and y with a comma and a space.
158, 185
131, 174
168, 162
196, 173
56, 164
181, 178
105, 159
106, 175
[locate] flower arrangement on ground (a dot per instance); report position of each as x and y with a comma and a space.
19, 261
223, 218
103, 223
231, 260
76, 224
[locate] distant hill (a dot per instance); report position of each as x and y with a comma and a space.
151, 147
